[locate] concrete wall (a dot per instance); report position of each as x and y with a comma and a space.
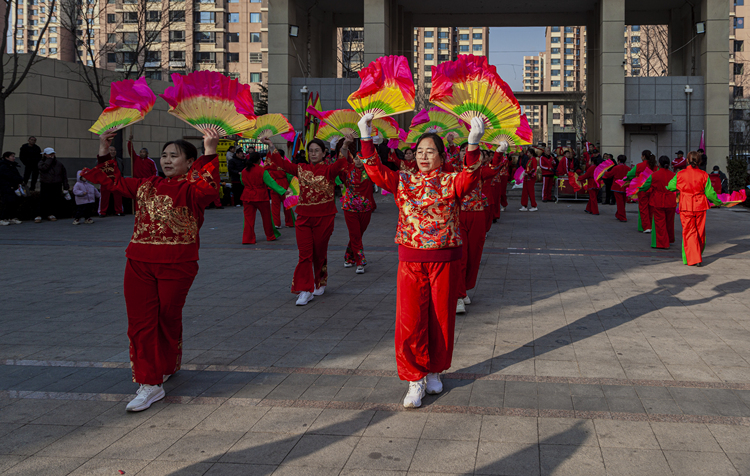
57, 107
333, 94
650, 100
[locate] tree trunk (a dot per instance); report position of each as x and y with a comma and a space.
2, 122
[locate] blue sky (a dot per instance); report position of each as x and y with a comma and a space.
508, 46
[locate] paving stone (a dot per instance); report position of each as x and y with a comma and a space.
634, 462
625, 434
383, 454
685, 437
507, 458
508, 429
698, 463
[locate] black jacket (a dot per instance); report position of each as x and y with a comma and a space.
30, 154
52, 170
10, 178
235, 166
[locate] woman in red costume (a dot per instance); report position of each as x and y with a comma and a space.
663, 203
277, 201
359, 203
695, 192
500, 182
430, 251
315, 212
648, 160
529, 163
256, 181
619, 172
407, 164
591, 185
162, 254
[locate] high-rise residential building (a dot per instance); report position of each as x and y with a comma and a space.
533, 74
26, 22
739, 76
435, 45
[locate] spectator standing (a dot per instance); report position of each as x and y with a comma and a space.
30, 156
53, 179
704, 159
235, 166
609, 195
10, 181
106, 190
680, 162
86, 195
143, 166
718, 180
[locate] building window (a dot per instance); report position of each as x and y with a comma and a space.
53, 51
130, 17
555, 29
443, 34
569, 40
477, 36
635, 61
463, 37
476, 47
569, 84
53, 40
568, 29
129, 57
254, 77
568, 51
154, 15
177, 15
738, 92
428, 46
555, 51
554, 39
256, 57
739, 45
254, 37
130, 38
111, 38
209, 17
429, 57
153, 36
153, 75
635, 72
635, 39
233, 57
739, 23
233, 38
569, 72
176, 36
555, 61
635, 50
443, 46
554, 72
739, 2
111, 18
738, 68
255, 18
111, 57
176, 56
205, 36
635, 28
463, 48
429, 34
153, 56
555, 83
205, 57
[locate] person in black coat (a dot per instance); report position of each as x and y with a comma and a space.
235, 166
30, 156
10, 180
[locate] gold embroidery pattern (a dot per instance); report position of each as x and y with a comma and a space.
314, 189
159, 222
109, 168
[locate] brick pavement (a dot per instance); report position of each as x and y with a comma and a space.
584, 351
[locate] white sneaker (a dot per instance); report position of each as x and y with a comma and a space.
502, 209
304, 298
15, 221
145, 396
647, 231
460, 308
348, 265
52, 218
533, 209
523, 209
360, 270
415, 395
165, 378
319, 291
434, 384
4, 223
466, 300
76, 221
38, 220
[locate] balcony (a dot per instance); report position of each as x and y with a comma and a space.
177, 64
152, 64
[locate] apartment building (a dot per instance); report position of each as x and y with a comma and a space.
26, 22
533, 74
435, 45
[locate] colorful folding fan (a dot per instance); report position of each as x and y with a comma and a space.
438, 121
129, 102
327, 133
293, 199
732, 199
518, 175
387, 88
420, 118
208, 100
574, 183
269, 125
345, 121
602, 168
632, 190
521, 136
469, 87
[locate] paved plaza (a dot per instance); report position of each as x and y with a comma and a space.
584, 351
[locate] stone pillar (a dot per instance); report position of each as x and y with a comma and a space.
550, 125
377, 29
612, 76
282, 62
714, 67
328, 52
680, 62
593, 110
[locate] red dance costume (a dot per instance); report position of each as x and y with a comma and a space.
695, 192
256, 182
618, 172
359, 203
500, 183
565, 166
663, 203
644, 205
142, 168
529, 181
404, 165
547, 164
162, 258
430, 251
591, 185
315, 212
277, 201
679, 163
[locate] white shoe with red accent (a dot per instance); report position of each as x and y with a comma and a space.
415, 395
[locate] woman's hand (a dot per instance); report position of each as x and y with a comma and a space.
503, 147
267, 141
210, 141
450, 137
348, 140
105, 140
365, 126
476, 133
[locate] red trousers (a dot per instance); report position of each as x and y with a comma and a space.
644, 213
425, 317
154, 296
593, 205
488, 214
277, 204
313, 234
105, 190
248, 231
497, 191
662, 228
356, 223
528, 192
620, 199
503, 194
548, 184
693, 236
473, 231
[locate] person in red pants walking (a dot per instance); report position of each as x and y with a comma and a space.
358, 205
547, 164
619, 172
590, 185
430, 249
695, 192
648, 160
162, 257
315, 212
663, 203
106, 191
256, 181
529, 163
277, 201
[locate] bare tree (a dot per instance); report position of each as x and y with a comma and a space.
13, 68
654, 50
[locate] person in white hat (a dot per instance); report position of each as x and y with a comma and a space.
53, 179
